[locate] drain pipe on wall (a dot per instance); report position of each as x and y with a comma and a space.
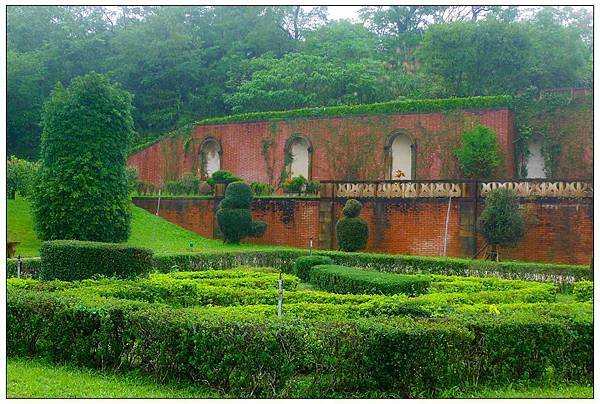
447, 220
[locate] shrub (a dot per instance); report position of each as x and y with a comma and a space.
222, 176
352, 231
479, 154
501, 223
303, 265
294, 185
584, 291
313, 188
72, 260
261, 188
132, 179
82, 192
20, 177
340, 279
190, 183
235, 215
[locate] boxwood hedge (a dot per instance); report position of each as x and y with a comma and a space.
254, 355
340, 279
73, 259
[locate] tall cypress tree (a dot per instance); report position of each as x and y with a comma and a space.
82, 192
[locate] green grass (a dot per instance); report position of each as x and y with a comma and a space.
35, 378
559, 390
147, 230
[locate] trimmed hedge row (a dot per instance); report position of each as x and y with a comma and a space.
303, 265
250, 355
283, 259
340, 279
72, 260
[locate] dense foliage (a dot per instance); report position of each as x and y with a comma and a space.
479, 155
284, 259
352, 231
222, 176
187, 63
82, 192
20, 177
463, 332
70, 260
501, 223
235, 214
341, 279
303, 265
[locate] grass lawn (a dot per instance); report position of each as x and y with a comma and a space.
147, 230
35, 378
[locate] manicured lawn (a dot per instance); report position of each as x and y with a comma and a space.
35, 378
147, 230
553, 391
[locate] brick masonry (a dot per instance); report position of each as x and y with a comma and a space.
343, 147
558, 230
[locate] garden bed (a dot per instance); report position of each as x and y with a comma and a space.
220, 328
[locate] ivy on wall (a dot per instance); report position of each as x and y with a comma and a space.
562, 122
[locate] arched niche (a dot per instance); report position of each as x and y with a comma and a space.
298, 151
400, 156
535, 161
210, 157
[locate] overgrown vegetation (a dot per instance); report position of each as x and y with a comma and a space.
20, 177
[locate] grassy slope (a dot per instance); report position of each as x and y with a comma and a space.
35, 378
147, 230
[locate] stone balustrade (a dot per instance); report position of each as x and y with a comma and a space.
455, 189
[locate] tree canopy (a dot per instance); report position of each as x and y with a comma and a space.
185, 63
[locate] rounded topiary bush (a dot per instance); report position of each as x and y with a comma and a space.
352, 208
352, 231
235, 215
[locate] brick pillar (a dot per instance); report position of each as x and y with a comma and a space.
219, 195
468, 220
326, 216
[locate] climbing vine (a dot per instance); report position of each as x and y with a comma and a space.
562, 122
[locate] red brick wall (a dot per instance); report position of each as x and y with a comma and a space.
342, 147
414, 227
558, 230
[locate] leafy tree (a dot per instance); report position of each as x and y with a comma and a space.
300, 80
235, 214
82, 192
20, 177
501, 223
476, 58
478, 156
26, 93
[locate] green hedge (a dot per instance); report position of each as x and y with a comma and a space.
250, 355
406, 106
303, 265
340, 279
72, 260
284, 259
31, 267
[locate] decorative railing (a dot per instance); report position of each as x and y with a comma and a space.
537, 188
399, 189
454, 188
